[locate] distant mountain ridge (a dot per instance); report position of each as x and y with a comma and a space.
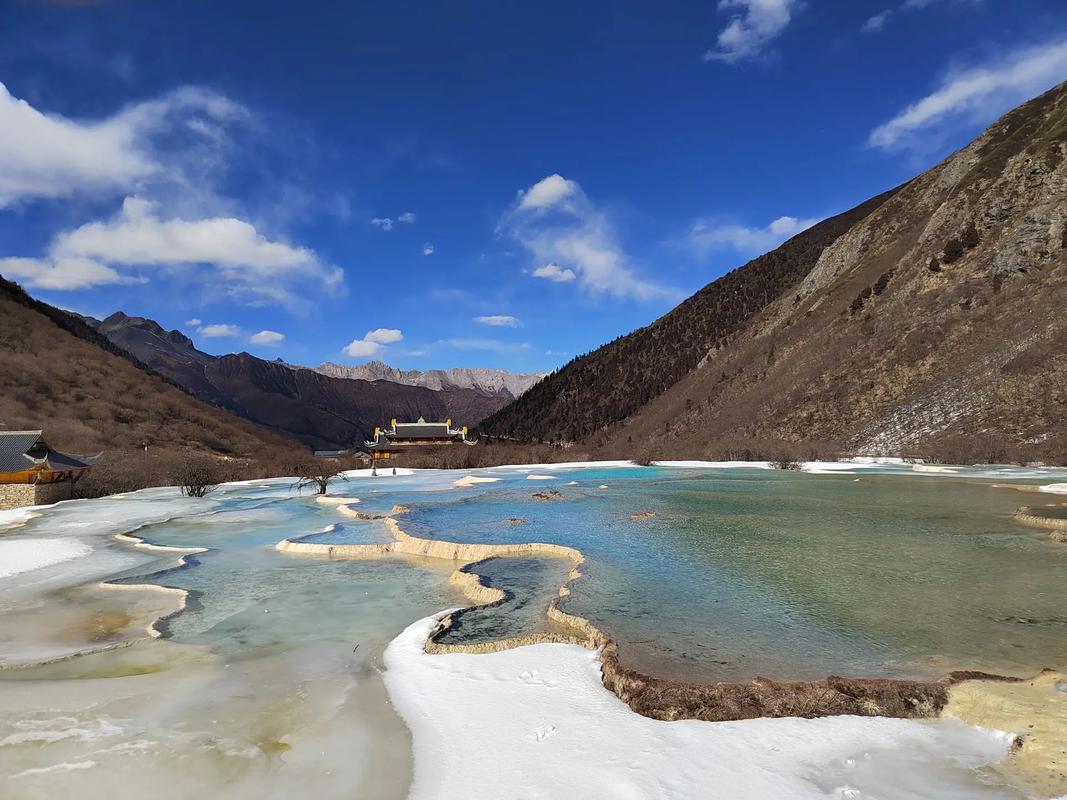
324, 411
487, 380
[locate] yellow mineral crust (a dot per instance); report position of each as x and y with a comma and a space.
465, 578
1033, 517
1035, 710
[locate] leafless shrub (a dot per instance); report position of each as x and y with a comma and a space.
317, 473
197, 476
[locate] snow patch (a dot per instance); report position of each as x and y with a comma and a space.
24, 555
537, 722
473, 480
1053, 488
716, 464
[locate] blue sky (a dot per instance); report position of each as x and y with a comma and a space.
465, 184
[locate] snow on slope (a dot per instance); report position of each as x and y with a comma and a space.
487, 380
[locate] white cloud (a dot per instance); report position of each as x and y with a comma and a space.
427, 249
360, 348
977, 95
706, 236
547, 192
267, 338
218, 330
554, 272
64, 274
387, 223
499, 321
576, 245
47, 155
754, 25
226, 253
194, 322
384, 336
373, 342
876, 22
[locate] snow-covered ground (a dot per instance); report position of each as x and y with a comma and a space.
23, 555
536, 722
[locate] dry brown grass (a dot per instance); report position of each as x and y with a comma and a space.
659, 698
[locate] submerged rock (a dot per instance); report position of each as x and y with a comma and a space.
551, 494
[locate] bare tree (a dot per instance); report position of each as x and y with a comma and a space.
318, 472
196, 476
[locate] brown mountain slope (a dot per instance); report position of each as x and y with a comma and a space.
324, 411
614, 381
58, 373
935, 325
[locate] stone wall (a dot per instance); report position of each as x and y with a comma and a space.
48, 493
17, 495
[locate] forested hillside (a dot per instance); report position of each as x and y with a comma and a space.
615, 380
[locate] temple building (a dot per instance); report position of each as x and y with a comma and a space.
401, 436
33, 474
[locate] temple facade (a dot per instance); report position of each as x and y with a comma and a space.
401, 436
33, 474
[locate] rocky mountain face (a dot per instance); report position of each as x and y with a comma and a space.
929, 321
324, 411
492, 381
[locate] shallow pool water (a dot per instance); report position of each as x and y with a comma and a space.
730, 574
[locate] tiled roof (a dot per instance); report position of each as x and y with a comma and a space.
13, 447
16, 455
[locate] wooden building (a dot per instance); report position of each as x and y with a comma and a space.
33, 474
401, 436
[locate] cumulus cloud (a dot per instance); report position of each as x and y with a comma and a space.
498, 321
373, 342
267, 338
547, 192
46, 155
427, 249
755, 24
574, 241
218, 330
228, 253
877, 22
194, 322
384, 336
361, 348
62, 274
706, 236
554, 272
977, 94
